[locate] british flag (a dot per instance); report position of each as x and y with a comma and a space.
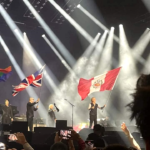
34, 80
37, 82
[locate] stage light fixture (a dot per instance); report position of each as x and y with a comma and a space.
6, 3
43, 35
78, 6
68, 8
38, 5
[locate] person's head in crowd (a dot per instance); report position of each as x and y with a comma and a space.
6, 102
59, 146
117, 147
97, 136
98, 129
140, 107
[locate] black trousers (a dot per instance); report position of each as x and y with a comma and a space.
6, 120
30, 123
93, 118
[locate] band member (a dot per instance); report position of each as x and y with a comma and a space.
51, 113
7, 116
30, 112
93, 111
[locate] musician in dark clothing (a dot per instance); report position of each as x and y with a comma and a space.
7, 116
93, 111
30, 112
52, 117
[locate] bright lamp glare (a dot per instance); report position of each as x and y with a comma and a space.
78, 6
43, 35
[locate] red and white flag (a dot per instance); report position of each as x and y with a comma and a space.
102, 82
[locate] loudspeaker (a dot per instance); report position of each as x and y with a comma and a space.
61, 124
47, 130
5, 127
21, 126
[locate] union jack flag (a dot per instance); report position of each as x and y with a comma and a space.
34, 80
37, 82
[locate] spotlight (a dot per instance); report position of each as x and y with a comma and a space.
15, 30
120, 25
24, 33
6, 3
112, 28
43, 35
78, 6
99, 33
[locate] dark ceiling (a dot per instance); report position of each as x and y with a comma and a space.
131, 13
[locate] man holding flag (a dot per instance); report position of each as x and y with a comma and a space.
93, 111
103, 82
30, 111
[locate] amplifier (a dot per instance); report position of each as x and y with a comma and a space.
39, 121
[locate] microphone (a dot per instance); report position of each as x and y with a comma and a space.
56, 107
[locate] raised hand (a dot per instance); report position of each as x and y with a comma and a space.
20, 138
57, 138
38, 100
124, 128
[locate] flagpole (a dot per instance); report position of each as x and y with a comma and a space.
112, 88
41, 83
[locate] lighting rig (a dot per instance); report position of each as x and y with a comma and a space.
6, 3
38, 6
69, 8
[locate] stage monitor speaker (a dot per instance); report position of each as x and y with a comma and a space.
61, 124
5, 127
19, 126
48, 130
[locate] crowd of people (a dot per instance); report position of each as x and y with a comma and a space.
139, 111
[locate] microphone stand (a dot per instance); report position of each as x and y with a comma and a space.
72, 110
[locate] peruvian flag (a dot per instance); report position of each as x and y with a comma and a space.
102, 82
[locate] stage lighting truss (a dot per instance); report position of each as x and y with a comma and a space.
38, 6
69, 8
6, 3
143, 19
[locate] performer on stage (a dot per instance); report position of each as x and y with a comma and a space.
93, 111
51, 113
7, 116
30, 112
